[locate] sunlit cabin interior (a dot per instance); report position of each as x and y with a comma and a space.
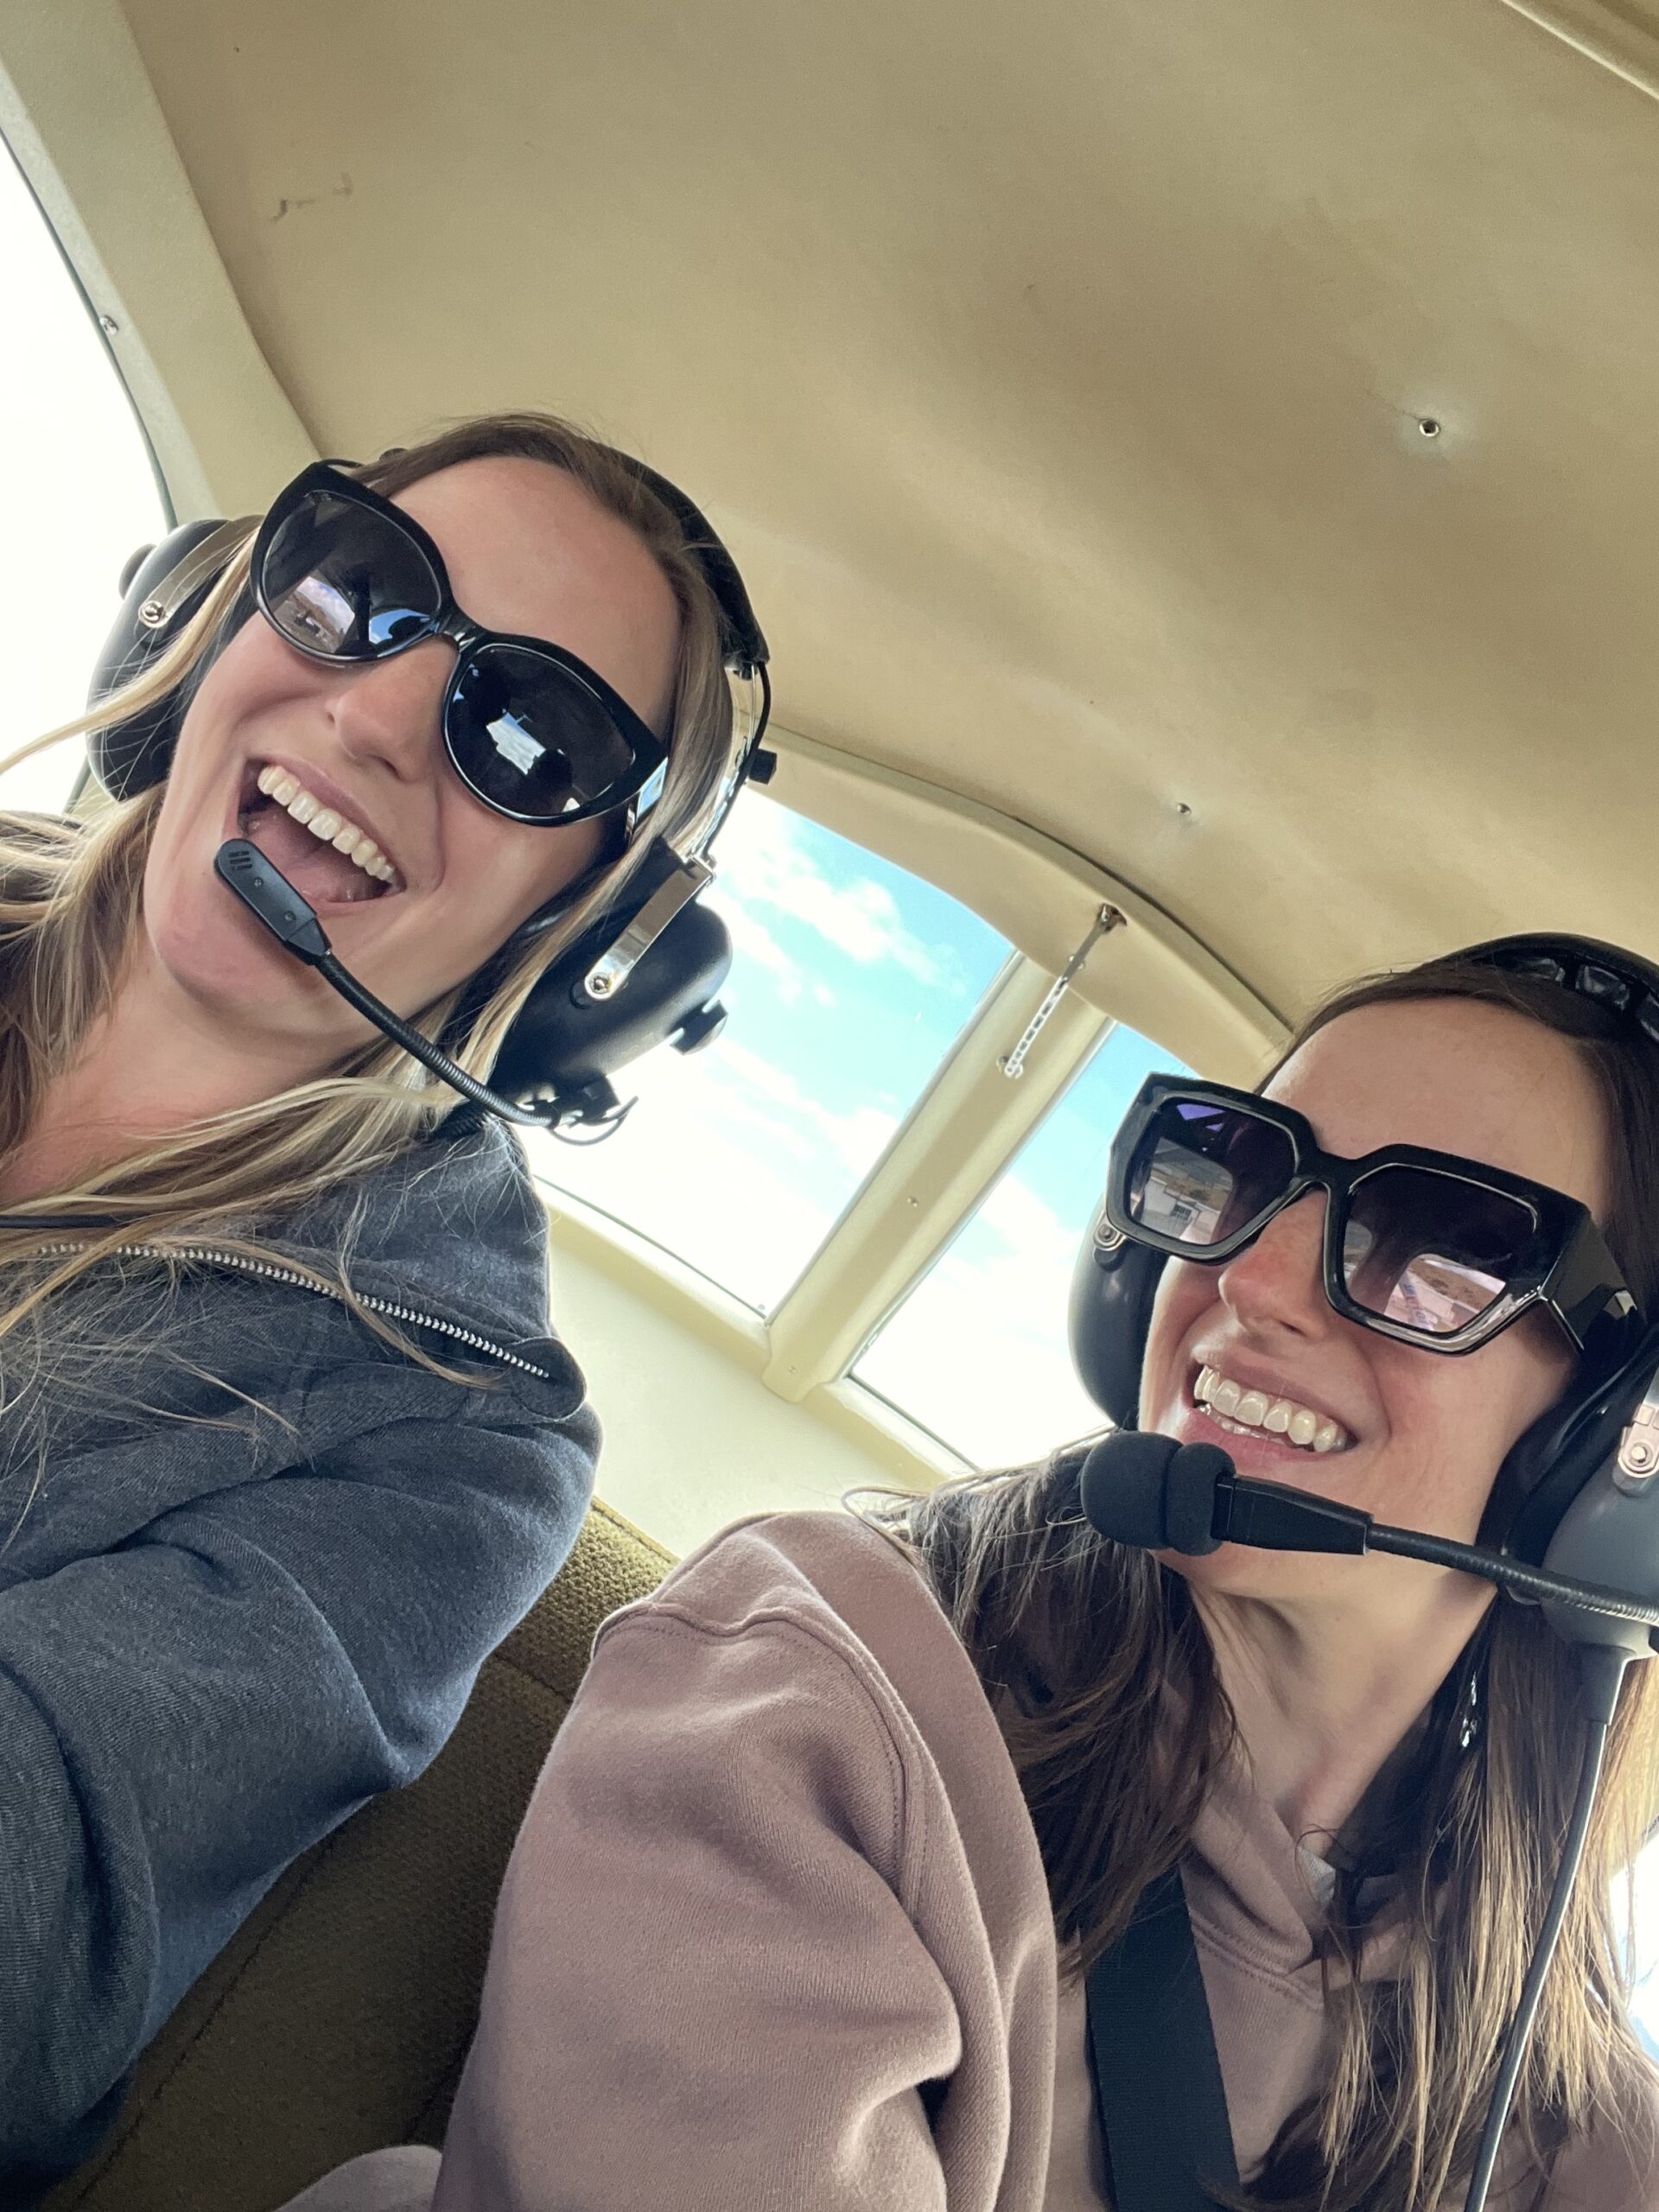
1193, 462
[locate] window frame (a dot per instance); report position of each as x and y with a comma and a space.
972, 1122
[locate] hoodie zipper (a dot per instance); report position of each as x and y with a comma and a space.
239, 1264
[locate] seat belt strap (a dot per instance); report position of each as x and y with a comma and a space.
1152, 2051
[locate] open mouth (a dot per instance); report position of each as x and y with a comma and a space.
329, 860
1245, 1411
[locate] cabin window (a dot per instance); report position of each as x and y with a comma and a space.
978, 1352
79, 496
850, 981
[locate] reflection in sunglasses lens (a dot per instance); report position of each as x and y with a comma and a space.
527, 735
1431, 1251
341, 582
1201, 1174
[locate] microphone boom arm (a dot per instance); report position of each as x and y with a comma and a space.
272, 900
1272, 1517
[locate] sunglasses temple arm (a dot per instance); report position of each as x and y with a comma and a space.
1581, 1288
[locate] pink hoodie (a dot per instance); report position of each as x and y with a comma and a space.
776, 1936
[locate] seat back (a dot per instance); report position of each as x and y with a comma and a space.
338, 2019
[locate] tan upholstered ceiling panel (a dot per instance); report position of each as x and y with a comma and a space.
1621, 34
1058, 371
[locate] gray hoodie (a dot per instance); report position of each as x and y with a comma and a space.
251, 1558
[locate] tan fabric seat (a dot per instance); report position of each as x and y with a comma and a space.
339, 2019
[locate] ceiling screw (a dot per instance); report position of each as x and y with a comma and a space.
108, 325
1430, 425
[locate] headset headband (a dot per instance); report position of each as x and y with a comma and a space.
1620, 983
743, 645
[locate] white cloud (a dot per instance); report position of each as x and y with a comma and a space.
753, 941
727, 1163
762, 863
978, 1352
855, 1138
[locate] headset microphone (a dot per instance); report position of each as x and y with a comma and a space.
1151, 1492
271, 899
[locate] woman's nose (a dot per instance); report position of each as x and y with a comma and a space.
391, 710
1281, 1277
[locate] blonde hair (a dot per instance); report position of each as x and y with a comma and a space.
1077, 1638
70, 903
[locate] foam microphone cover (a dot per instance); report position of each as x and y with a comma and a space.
1150, 1491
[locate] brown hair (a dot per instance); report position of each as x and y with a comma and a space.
1075, 1639
70, 902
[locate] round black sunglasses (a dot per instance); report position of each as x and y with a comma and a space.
1418, 1245
533, 731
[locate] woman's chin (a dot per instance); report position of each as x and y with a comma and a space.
1238, 1571
234, 973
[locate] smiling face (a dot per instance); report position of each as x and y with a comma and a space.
530, 552
1413, 1436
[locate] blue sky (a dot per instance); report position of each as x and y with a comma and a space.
849, 981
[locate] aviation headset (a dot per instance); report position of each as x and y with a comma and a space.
648, 969
1551, 1462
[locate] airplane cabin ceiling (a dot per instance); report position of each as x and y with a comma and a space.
1058, 374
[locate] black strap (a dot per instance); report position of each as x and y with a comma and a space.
1152, 2051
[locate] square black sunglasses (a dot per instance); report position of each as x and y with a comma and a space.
1418, 1245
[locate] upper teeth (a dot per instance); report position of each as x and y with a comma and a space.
1235, 1407
323, 822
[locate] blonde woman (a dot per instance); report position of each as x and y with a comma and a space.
801, 1911
256, 1538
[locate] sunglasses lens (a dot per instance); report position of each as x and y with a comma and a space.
343, 583
1202, 1173
1431, 1251
529, 736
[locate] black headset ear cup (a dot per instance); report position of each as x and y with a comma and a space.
1549, 1463
130, 756
566, 1042
1113, 1286
563, 1042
